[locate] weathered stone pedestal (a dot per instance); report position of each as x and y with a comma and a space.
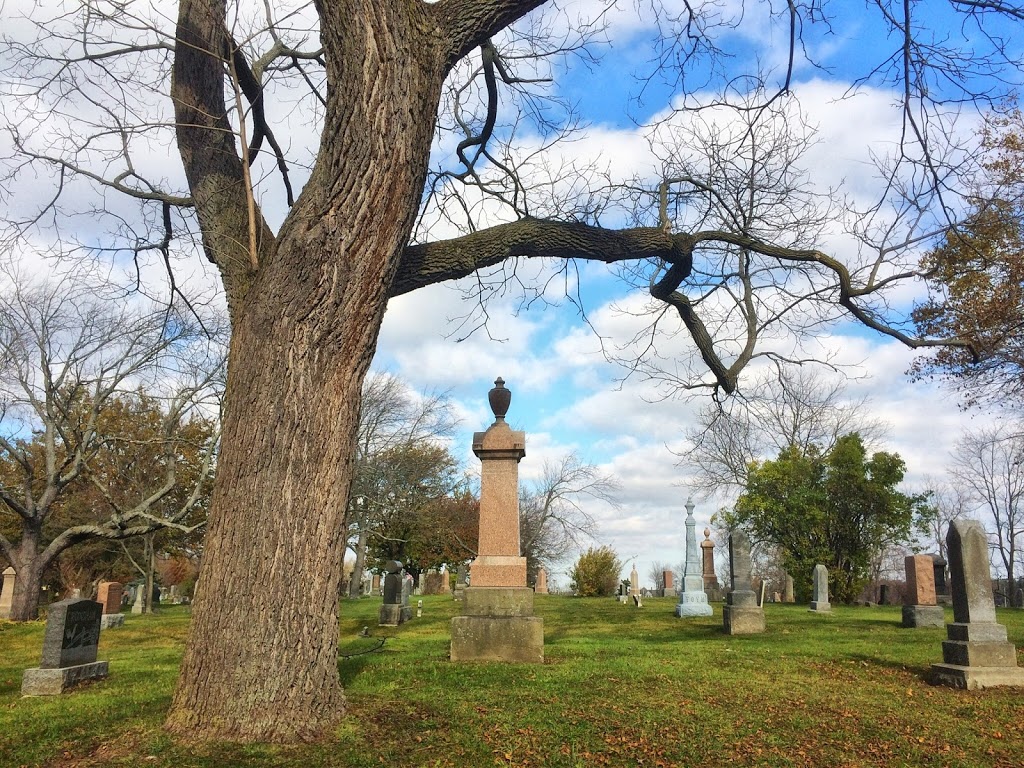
977, 653
396, 609
498, 625
918, 616
498, 622
69, 649
108, 620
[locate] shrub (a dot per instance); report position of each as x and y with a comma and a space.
596, 573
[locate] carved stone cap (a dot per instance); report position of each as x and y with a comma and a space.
499, 399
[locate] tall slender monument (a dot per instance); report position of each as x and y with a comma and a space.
693, 600
498, 622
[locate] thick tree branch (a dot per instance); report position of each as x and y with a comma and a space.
469, 23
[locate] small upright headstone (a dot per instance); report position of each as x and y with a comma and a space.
942, 596
977, 653
395, 610
790, 596
883, 594
7, 593
139, 606
820, 603
434, 583
920, 609
542, 582
461, 581
69, 649
707, 556
670, 589
741, 615
375, 584
108, 594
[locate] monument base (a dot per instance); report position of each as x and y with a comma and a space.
820, 607
974, 678
109, 620
742, 620
916, 616
693, 604
518, 639
393, 615
53, 682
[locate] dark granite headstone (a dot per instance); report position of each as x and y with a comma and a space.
72, 633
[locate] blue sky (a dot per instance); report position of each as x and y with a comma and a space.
566, 395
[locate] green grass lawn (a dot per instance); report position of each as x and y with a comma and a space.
620, 687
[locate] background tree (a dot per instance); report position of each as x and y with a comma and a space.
307, 285
596, 573
399, 430
839, 508
552, 516
988, 465
977, 277
66, 359
798, 407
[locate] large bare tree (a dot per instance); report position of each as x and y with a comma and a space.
372, 85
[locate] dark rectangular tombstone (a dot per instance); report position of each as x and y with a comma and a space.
395, 609
941, 587
977, 653
70, 645
108, 594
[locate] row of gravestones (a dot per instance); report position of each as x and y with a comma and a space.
976, 654
110, 593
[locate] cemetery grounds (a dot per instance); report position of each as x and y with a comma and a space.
620, 686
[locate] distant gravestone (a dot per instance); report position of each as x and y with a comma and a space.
541, 587
69, 649
108, 595
819, 601
7, 593
634, 581
435, 583
883, 594
461, 581
395, 609
942, 596
692, 600
976, 653
670, 589
790, 596
139, 606
741, 615
920, 609
375, 584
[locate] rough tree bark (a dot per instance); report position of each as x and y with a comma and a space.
306, 308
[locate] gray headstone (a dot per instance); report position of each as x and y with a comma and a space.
7, 593
820, 601
72, 633
969, 572
739, 561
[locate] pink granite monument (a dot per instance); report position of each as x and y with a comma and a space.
919, 605
498, 622
108, 594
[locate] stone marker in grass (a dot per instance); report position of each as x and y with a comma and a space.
977, 653
7, 593
396, 609
69, 649
741, 614
108, 594
920, 608
498, 622
693, 600
819, 602
542, 582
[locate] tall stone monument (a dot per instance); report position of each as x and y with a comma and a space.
707, 559
7, 593
977, 653
498, 622
69, 649
790, 594
919, 606
693, 601
819, 601
634, 582
741, 614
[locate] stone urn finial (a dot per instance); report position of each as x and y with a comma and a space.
707, 533
500, 399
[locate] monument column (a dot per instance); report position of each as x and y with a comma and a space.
693, 601
498, 622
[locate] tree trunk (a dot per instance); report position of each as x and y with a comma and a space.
28, 579
261, 663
